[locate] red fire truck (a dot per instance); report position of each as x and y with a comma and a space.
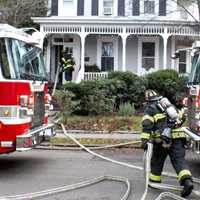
192, 101
24, 97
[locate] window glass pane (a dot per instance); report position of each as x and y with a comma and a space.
194, 67
182, 57
149, 7
148, 55
182, 62
195, 74
4, 64
148, 49
27, 61
68, 1
108, 3
107, 49
182, 68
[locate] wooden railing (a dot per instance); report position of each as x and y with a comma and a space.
88, 76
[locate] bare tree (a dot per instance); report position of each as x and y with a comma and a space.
21, 11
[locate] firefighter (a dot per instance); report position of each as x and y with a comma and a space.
167, 139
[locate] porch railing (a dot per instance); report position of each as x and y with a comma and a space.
88, 76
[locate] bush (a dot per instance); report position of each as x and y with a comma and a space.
66, 103
94, 97
126, 109
133, 89
168, 83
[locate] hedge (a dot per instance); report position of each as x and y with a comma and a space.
105, 96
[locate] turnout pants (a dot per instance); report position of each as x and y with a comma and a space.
177, 156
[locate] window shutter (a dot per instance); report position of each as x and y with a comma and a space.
54, 7
136, 8
80, 8
162, 7
95, 7
121, 7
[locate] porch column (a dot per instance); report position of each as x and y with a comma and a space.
82, 67
124, 37
165, 37
48, 57
173, 49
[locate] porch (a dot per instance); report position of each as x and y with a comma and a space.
128, 39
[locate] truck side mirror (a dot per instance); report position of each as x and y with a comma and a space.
175, 55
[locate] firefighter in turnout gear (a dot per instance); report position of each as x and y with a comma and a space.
161, 124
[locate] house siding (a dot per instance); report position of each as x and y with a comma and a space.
132, 54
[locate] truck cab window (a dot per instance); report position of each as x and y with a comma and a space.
27, 61
4, 64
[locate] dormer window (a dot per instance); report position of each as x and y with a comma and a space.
108, 7
149, 7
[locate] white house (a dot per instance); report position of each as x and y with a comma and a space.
133, 35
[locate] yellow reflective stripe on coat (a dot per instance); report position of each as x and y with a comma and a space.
183, 173
159, 116
145, 135
155, 135
178, 133
181, 113
148, 117
155, 177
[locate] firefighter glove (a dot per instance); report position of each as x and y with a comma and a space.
144, 144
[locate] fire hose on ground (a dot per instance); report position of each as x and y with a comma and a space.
124, 180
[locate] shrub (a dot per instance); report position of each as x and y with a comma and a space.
66, 103
126, 109
97, 103
94, 96
167, 83
133, 89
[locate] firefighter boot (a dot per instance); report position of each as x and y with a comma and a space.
187, 187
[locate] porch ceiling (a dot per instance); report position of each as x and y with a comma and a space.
116, 26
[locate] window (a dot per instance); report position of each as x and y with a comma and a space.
149, 7
4, 63
107, 58
108, 3
27, 61
148, 55
108, 7
182, 62
194, 77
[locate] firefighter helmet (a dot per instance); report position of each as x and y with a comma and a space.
151, 95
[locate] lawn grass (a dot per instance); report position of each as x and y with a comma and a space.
103, 123
87, 141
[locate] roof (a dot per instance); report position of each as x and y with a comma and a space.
5, 28
8, 31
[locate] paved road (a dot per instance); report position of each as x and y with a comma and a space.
43, 169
